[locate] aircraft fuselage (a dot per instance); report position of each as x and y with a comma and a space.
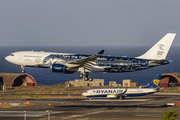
58, 62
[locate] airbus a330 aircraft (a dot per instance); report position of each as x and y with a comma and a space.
122, 92
69, 63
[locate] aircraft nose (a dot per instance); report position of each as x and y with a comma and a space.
7, 58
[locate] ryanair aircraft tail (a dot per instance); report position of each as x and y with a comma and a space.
155, 83
160, 49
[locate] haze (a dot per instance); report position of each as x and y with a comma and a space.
88, 22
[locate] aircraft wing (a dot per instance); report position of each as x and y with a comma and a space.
117, 95
86, 62
121, 94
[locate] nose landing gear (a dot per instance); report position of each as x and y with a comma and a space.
23, 71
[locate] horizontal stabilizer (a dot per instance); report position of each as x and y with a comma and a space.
157, 62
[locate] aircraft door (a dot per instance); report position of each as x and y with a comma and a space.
37, 60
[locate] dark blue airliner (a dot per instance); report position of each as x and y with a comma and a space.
71, 62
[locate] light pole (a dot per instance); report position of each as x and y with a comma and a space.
48, 111
24, 115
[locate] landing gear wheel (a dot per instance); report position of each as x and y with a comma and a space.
90, 79
81, 75
122, 97
23, 71
86, 78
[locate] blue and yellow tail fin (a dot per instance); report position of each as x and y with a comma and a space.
155, 83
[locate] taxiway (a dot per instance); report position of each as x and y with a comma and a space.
149, 107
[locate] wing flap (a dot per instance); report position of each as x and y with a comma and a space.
86, 62
91, 58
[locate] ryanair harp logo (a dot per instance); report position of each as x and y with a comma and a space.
156, 82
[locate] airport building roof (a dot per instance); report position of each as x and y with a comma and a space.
170, 79
9, 80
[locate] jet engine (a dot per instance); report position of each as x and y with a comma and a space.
111, 96
60, 68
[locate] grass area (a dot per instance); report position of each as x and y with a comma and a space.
59, 85
170, 91
39, 96
63, 91
58, 92
56, 89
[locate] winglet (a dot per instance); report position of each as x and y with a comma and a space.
101, 52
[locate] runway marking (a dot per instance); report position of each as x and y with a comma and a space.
74, 116
28, 113
118, 100
147, 115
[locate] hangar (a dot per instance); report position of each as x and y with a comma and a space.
9, 80
170, 80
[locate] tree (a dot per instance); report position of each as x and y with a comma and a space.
169, 115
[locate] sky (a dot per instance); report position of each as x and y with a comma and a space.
88, 22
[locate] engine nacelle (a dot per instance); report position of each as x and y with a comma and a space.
60, 68
111, 96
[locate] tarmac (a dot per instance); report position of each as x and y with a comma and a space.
133, 108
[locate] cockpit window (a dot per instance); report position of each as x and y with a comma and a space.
12, 54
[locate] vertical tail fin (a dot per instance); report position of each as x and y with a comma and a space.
155, 83
160, 49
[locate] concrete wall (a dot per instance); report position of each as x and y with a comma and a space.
81, 82
113, 84
126, 83
129, 83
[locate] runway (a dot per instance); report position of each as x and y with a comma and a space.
147, 107
119, 100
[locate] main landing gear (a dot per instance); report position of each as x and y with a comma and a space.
86, 77
122, 97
